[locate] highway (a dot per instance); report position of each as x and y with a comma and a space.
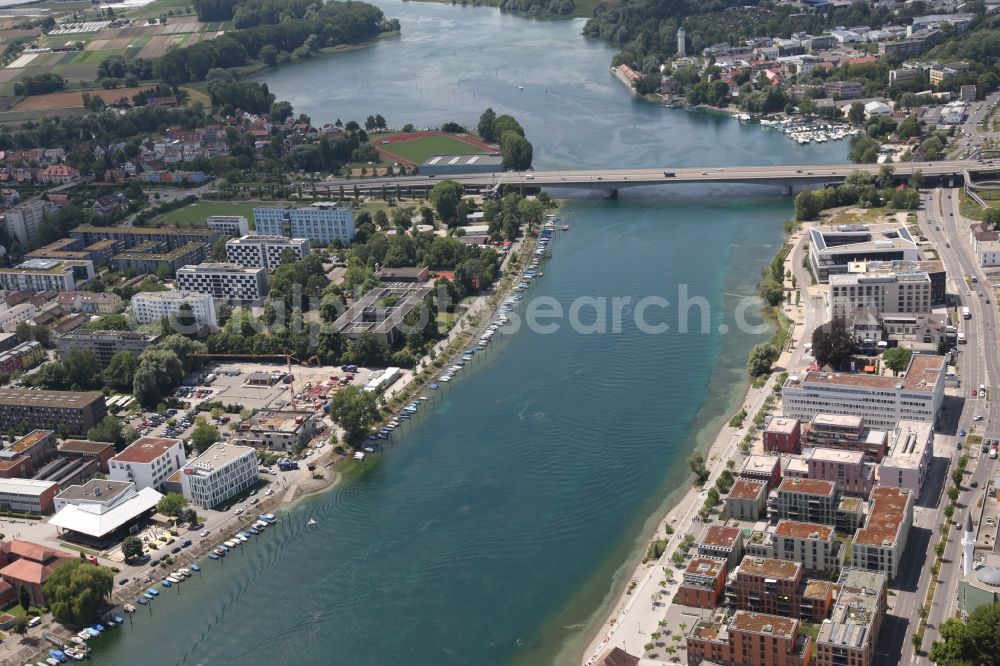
613, 179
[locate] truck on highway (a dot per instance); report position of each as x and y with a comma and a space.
966, 313
961, 339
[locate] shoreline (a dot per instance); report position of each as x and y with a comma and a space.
683, 503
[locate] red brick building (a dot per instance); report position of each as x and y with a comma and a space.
704, 582
783, 435
27, 564
766, 585
749, 639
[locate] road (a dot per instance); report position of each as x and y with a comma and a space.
980, 365
609, 179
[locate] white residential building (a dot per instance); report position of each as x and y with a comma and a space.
265, 251
148, 462
229, 225
909, 457
46, 275
12, 316
988, 253
882, 401
230, 282
152, 306
322, 222
22, 221
222, 471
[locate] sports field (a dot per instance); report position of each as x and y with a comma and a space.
194, 215
419, 150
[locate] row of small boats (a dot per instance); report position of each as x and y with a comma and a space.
78, 650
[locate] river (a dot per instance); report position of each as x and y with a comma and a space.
496, 528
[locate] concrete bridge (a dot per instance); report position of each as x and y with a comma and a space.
610, 181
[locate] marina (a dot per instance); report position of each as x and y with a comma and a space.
804, 132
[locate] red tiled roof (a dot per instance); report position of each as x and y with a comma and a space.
146, 450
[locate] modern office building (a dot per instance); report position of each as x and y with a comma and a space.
22, 221
881, 293
749, 639
747, 500
909, 459
105, 344
832, 250
703, 583
129, 237
277, 430
850, 636
882, 401
149, 307
100, 508
369, 314
804, 500
222, 471
156, 256
46, 275
148, 461
264, 251
69, 412
86, 449
879, 545
323, 223
227, 282
27, 495
229, 225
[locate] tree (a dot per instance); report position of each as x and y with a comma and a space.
132, 547
189, 516
24, 598
355, 410
991, 218
772, 291
976, 641
762, 357
21, 625
857, 113
516, 151
120, 373
909, 127
110, 430
172, 504
204, 434
269, 54
445, 197
485, 126
76, 590
808, 205
696, 461
896, 359
832, 343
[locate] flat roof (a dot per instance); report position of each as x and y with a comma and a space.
53, 399
95, 490
841, 420
135, 231
253, 239
701, 565
110, 334
273, 419
87, 520
770, 567
146, 449
220, 267
761, 464
843, 456
782, 425
858, 604
719, 536
747, 489
216, 457
803, 530
762, 623
29, 440
142, 253
808, 486
818, 589
919, 377
885, 516
25, 486
910, 445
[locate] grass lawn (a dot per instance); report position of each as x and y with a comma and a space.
969, 208
856, 215
420, 150
95, 57
159, 7
195, 214
17, 611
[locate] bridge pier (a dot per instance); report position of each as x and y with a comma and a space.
786, 189
612, 193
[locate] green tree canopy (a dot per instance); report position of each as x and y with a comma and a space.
75, 591
132, 547
445, 197
896, 359
120, 373
110, 430
204, 434
355, 410
974, 642
172, 504
832, 343
762, 357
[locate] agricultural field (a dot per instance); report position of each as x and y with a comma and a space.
194, 215
68, 100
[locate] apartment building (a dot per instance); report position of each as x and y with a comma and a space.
765, 585
813, 545
843, 89
848, 433
724, 542
68, 412
782, 435
848, 469
90, 302
747, 500
879, 545
22, 221
278, 430
46, 275
148, 462
849, 638
909, 459
766, 468
882, 401
889, 293
220, 472
749, 639
14, 315
105, 344
229, 282
264, 251
228, 225
157, 256
703, 583
152, 306
324, 223
905, 75
804, 500
129, 237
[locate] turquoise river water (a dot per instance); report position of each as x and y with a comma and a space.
504, 519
